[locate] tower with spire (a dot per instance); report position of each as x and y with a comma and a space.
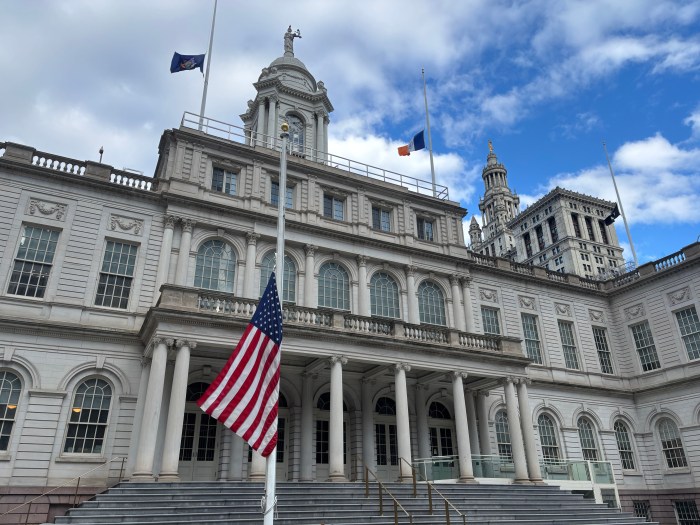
286, 90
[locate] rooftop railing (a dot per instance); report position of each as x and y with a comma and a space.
242, 135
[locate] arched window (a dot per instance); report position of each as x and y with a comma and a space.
438, 411
548, 439
671, 444
324, 402
216, 266
88, 417
589, 448
10, 389
624, 445
431, 304
333, 287
385, 406
195, 391
289, 292
384, 295
503, 436
296, 134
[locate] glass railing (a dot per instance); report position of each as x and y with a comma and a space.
438, 468
493, 466
599, 472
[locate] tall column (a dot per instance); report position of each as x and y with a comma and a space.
310, 298
272, 128
468, 312
138, 415
260, 128
516, 436
307, 423
533, 463
165, 254
403, 428
176, 412
466, 471
250, 290
413, 317
143, 469
183, 257
422, 422
471, 421
363, 286
368, 456
326, 120
457, 312
482, 412
257, 467
335, 431
319, 136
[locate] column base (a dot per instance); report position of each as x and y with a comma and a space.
522, 481
337, 478
466, 479
169, 477
537, 481
142, 477
256, 477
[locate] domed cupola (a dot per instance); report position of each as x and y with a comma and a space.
286, 90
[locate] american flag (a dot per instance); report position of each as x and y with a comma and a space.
244, 396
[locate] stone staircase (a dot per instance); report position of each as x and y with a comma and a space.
238, 503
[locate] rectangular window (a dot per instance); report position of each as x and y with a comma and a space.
690, 331
687, 512
589, 228
381, 219
490, 319
322, 429
603, 232
566, 332
604, 356
540, 237
275, 195
425, 229
553, 229
528, 244
30, 273
646, 349
116, 275
333, 207
577, 227
224, 181
532, 338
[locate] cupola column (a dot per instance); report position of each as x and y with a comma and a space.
260, 129
272, 125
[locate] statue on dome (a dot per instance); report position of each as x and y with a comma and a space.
289, 37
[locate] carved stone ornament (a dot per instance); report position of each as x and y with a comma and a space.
126, 224
309, 250
487, 294
679, 296
562, 309
596, 316
52, 210
527, 303
634, 311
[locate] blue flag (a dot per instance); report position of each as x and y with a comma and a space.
186, 62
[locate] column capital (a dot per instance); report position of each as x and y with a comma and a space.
420, 386
145, 361
309, 250
185, 342
482, 393
454, 279
338, 359
402, 366
187, 225
410, 270
465, 279
170, 221
525, 381
362, 260
273, 99
457, 373
252, 238
508, 380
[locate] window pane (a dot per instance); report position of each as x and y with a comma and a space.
532, 338
548, 438
671, 444
333, 287
604, 357
566, 333
689, 326
490, 320
116, 273
290, 275
32, 266
624, 445
503, 436
10, 389
431, 304
384, 295
216, 266
589, 449
88, 417
646, 349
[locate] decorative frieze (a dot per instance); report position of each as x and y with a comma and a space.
527, 303
48, 209
125, 224
562, 309
487, 294
679, 296
634, 312
596, 316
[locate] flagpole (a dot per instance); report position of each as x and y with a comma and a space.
430, 138
622, 211
206, 76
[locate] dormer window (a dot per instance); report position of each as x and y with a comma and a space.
224, 181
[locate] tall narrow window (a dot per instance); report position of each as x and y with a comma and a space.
566, 332
490, 320
548, 439
689, 326
603, 232
642, 509
116, 275
30, 272
532, 338
275, 195
425, 229
10, 389
381, 219
540, 237
601, 344
384, 295
646, 349
589, 448
224, 181
333, 207
552, 223
528, 244
589, 228
290, 276
333, 287
505, 450
89, 414
671, 444
431, 304
296, 134
216, 266
577, 226
624, 445
687, 512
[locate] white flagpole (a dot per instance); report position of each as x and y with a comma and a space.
430, 138
206, 76
622, 211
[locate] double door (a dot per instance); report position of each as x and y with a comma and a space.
199, 450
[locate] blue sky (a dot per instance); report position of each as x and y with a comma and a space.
547, 81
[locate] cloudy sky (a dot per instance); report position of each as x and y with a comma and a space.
546, 81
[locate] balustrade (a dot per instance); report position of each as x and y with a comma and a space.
58, 163
669, 261
369, 325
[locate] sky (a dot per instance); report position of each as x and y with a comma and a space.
547, 81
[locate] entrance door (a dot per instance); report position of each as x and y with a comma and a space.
387, 451
282, 465
441, 429
199, 453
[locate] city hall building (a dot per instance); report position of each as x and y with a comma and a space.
122, 296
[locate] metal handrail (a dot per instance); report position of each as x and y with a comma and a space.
70, 481
382, 487
431, 487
